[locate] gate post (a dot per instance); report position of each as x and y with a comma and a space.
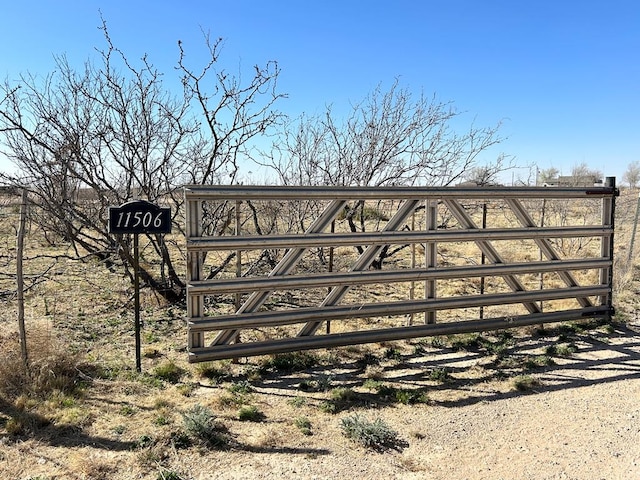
195, 261
608, 219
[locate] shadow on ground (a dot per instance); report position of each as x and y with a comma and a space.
477, 374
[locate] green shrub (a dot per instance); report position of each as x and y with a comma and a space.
239, 394
410, 396
386, 391
168, 475
341, 398
201, 424
233, 400
151, 381
180, 440
291, 362
169, 372
186, 389
369, 359
328, 407
466, 342
562, 350
253, 373
304, 425
298, 402
151, 337
392, 353
476, 342
214, 371
127, 410
419, 350
343, 394
400, 395
440, 374
524, 383
370, 434
241, 388
563, 331
250, 413
538, 361
144, 441
320, 384
119, 429
373, 384
608, 328
161, 420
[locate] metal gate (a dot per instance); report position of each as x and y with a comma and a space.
278, 269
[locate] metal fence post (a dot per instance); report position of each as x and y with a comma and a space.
608, 219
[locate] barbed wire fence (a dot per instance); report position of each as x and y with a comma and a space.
46, 290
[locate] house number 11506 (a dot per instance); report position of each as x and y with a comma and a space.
137, 219
139, 216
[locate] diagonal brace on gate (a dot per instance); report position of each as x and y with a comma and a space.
488, 249
545, 246
363, 262
290, 259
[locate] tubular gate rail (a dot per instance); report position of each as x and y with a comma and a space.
269, 266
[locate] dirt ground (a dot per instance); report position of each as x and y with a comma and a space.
579, 421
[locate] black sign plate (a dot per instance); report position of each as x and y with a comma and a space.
139, 216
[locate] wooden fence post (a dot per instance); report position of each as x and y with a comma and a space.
20, 277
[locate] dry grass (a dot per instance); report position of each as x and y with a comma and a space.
83, 409
92, 466
51, 368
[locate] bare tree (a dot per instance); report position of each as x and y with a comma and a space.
486, 175
86, 139
632, 174
389, 138
583, 174
548, 176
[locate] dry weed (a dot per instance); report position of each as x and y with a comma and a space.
51, 367
410, 464
272, 436
93, 466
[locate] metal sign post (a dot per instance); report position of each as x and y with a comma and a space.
138, 217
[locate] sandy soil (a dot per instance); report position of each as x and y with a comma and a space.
580, 422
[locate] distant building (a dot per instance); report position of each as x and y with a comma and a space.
573, 181
475, 183
578, 181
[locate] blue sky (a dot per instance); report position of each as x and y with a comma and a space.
563, 76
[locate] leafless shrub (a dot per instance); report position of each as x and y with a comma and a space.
85, 139
51, 366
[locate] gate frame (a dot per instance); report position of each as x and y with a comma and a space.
248, 316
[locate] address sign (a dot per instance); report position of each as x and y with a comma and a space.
139, 216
